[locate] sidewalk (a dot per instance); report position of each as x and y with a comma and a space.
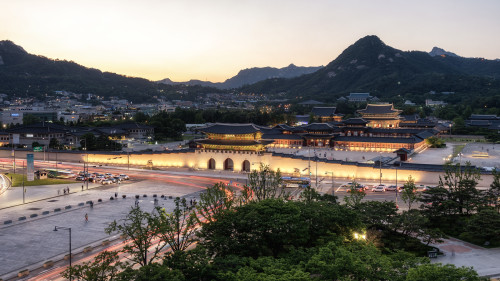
460, 253
28, 242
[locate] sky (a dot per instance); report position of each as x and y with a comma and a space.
214, 39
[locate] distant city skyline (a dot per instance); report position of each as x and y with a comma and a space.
213, 40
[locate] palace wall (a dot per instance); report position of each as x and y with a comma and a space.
199, 159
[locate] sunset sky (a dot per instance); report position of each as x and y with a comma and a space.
213, 40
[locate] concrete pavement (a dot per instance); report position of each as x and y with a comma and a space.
32, 241
460, 253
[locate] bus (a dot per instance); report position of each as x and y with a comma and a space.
296, 182
60, 173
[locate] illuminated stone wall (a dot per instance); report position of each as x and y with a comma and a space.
199, 159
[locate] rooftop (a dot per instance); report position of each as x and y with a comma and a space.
227, 128
379, 109
323, 111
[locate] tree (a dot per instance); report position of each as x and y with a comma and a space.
493, 193
447, 272
54, 144
377, 214
214, 201
151, 272
104, 267
410, 222
437, 202
255, 229
177, 228
484, 226
409, 194
355, 196
88, 141
435, 142
461, 183
265, 184
311, 195
141, 230
141, 117
29, 119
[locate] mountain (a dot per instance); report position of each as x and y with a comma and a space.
369, 65
22, 74
440, 52
251, 76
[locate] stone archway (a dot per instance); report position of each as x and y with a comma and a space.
211, 164
245, 166
228, 164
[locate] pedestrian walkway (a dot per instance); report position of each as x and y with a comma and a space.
460, 253
31, 241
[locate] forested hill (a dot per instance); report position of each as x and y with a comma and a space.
22, 74
369, 65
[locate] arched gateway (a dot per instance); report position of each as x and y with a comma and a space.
228, 164
245, 166
211, 164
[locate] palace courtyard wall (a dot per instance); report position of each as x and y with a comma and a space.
199, 159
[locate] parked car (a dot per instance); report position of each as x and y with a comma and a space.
108, 175
392, 188
107, 181
358, 187
80, 178
117, 179
124, 177
379, 188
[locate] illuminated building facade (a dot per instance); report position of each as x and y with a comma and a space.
377, 130
381, 115
244, 137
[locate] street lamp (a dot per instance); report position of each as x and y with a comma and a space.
333, 187
56, 228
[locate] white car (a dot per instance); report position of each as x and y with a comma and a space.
124, 177
107, 181
379, 188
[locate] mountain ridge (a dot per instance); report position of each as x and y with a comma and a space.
369, 65
251, 75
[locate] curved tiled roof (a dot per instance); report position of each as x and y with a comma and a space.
236, 129
379, 109
318, 127
355, 121
324, 111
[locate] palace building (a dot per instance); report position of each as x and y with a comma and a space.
246, 137
381, 115
378, 130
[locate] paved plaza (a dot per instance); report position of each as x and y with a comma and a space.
33, 241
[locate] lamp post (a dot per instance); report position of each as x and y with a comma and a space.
380, 167
316, 160
24, 190
398, 164
56, 228
333, 186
